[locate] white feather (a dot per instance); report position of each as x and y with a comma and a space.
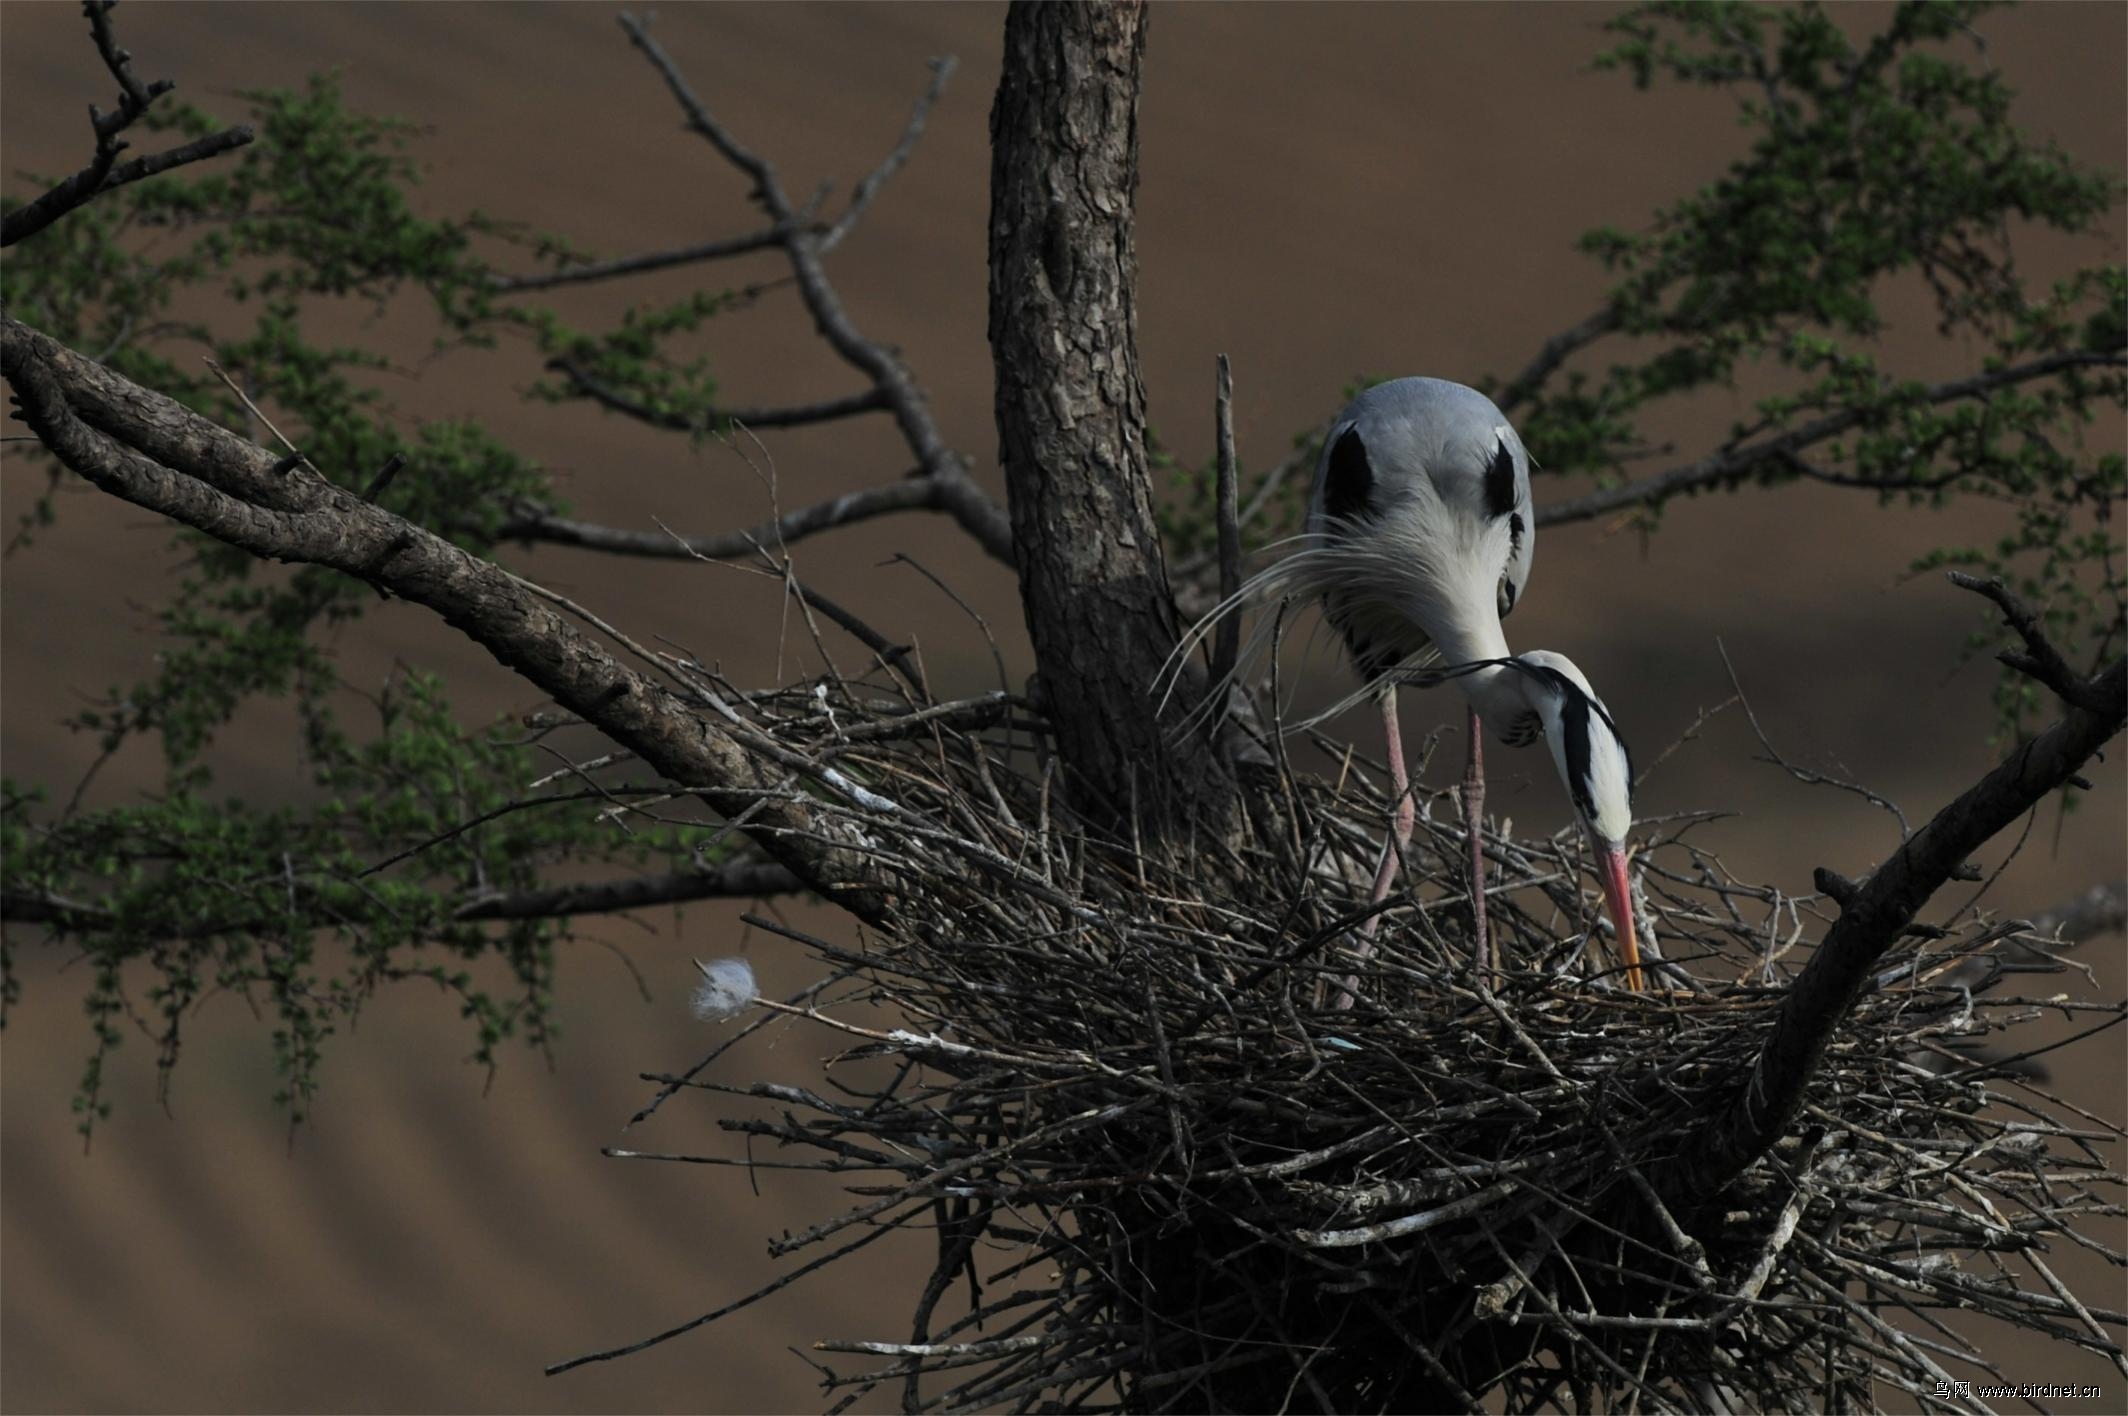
727, 987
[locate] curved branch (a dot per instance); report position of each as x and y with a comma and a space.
1733, 465
170, 460
1873, 915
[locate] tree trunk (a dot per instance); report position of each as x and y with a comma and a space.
1070, 406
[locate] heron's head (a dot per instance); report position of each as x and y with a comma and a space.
1433, 471
1592, 759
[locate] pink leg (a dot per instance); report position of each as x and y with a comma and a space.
1474, 828
1393, 850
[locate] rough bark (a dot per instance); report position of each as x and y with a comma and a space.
1070, 405
155, 453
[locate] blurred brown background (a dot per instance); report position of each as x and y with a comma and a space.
1328, 191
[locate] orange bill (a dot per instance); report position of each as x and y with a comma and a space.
1618, 898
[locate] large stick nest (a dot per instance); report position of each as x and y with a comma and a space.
1164, 1172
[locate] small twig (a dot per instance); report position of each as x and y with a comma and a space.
383, 479
295, 454
1804, 774
104, 171
1228, 644
941, 70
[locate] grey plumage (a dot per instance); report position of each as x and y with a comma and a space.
1434, 470
1419, 541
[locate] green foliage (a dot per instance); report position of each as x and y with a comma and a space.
1873, 165
192, 893
306, 910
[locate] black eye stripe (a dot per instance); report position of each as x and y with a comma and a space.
1500, 495
1348, 477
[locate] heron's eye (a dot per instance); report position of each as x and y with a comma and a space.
1348, 478
1500, 483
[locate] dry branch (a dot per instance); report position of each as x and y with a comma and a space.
1874, 914
104, 171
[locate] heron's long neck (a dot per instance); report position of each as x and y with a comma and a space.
1465, 632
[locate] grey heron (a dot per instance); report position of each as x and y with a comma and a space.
1418, 542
